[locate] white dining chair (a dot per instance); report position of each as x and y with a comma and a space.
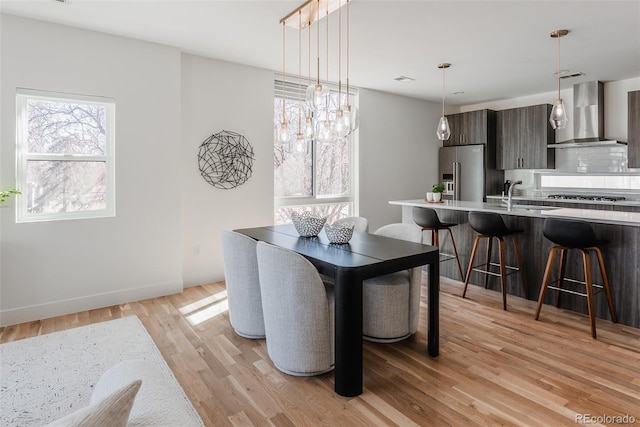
243, 284
391, 303
298, 312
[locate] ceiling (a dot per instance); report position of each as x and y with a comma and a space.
498, 49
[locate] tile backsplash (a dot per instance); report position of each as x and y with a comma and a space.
608, 159
584, 170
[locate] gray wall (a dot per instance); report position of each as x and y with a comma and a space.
218, 96
398, 153
56, 267
168, 219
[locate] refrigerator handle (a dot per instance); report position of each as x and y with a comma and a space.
456, 180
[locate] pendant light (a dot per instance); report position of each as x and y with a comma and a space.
299, 147
342, 128
316, 92
350, 116
283, 135
558, 118
308, 128
443, 132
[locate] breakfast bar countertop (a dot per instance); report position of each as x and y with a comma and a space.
590, 215
522, 199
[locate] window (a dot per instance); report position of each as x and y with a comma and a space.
320, 177
65, 166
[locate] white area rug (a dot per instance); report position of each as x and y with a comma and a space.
45, 377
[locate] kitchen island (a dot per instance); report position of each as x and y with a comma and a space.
621, 254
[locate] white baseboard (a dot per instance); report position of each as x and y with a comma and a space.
30, 313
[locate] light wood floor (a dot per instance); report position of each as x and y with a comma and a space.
494, 368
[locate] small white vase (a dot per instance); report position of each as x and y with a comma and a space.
437, 197
429, 196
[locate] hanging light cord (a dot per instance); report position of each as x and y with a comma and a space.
339, 53
443, 91
558, 37
299, 70
348, 95
309, 53
328, 93
327, 17
318, 39
284, 75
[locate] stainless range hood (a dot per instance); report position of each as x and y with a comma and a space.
588, 118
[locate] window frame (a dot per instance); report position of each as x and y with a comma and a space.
352, 196
23, 96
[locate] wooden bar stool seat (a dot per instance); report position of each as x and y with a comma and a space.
490, 226
579, 235
427, 218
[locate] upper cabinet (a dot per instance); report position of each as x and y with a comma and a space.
522, 138
634, 130
474, 127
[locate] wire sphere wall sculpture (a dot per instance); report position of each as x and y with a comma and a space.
225, 160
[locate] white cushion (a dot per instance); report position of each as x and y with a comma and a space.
155, 404
110, 411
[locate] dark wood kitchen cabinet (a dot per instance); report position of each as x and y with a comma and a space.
522, 135
473, 127
633, 149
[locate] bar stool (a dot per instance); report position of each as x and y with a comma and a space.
427, 218
489, 226
571, 234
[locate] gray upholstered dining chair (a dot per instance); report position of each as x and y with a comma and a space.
243, 285
360, 223
391, 303
298, 312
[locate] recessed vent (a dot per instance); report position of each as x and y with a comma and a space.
570, 74
404, 79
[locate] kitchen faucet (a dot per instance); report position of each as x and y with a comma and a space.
510, 195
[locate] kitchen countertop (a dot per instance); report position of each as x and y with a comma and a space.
546, 199
591, 215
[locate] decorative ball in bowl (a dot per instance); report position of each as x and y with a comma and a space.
307, 224
339, 233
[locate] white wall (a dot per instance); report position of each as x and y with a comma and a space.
398, 153
220, 96
58, 267
168, 219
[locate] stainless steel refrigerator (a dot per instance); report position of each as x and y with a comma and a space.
462, 170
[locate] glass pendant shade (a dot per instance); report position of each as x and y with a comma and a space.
343, 126
307, 127
315, 96
351, 117
325, 133
284, 134
443, 132
558, 118
300, 146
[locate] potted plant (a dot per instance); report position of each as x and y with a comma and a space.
437, 190
6, 195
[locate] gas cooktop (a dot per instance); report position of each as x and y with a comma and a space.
585, 197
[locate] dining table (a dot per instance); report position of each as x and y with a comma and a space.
364, 256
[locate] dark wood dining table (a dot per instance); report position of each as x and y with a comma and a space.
365, 256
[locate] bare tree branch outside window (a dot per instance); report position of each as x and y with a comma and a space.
325, 165
66, 153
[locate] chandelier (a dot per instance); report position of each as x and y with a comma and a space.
326, 118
